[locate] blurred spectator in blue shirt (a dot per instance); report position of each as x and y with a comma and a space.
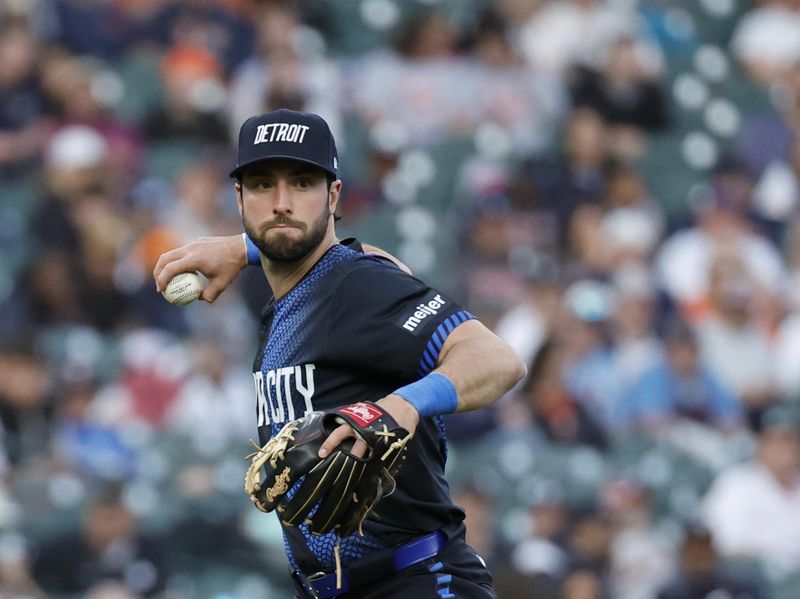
681, 386
589, 369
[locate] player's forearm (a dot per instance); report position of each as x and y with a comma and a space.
481, 366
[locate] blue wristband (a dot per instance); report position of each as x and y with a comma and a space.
433, 395
253, 253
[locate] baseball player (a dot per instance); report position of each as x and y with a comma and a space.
343, 327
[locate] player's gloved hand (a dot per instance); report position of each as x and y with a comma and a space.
219, 259
397, 407
344, 487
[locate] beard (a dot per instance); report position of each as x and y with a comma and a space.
283, 248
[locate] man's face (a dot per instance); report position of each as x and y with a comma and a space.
286, 207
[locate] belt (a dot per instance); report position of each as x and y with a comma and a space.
323, 586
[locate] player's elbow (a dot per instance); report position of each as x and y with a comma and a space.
517, 370
507, 367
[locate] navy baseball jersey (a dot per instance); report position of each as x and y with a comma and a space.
356, 328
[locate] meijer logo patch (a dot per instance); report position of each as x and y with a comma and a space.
421, 312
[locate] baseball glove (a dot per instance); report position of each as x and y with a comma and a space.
341, 486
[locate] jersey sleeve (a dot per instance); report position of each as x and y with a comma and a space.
388, 322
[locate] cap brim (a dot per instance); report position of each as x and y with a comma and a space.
235, 173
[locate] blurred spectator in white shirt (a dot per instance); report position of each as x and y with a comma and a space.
412, 84
731, 342
642, 551
213, 391
683, 263
526, 325
777, 193
753, 509
767, 40
570, 32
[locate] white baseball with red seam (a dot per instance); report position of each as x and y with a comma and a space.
183, 288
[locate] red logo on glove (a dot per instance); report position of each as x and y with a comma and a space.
362, 413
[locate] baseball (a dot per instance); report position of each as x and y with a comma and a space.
183, 289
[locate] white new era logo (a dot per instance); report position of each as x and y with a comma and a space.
280, 132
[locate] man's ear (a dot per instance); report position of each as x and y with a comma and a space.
334, 195
239, 200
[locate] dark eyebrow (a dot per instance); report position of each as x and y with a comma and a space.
300, 171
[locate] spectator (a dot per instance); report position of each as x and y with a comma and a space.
108, 546
77, 228
582, 584
589, 548
219, 27
493, 286
767, 40
26, 406
683, 262
636, 346
776, 197
86, 443
680, 386
541, 556
753, 509
24, 125
193, 99
412, 84
731, 341
527, 324
526, 103
556, 186
562, 418
216, 391
622, 92
633, 221
642, 549
589, 371
786, 341
562, 34
79, 93
701, 575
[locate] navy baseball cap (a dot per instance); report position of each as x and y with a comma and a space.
285, 133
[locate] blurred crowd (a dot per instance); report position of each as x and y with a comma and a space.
613, 186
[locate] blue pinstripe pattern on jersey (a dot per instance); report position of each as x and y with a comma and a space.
436, 342
287, 335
